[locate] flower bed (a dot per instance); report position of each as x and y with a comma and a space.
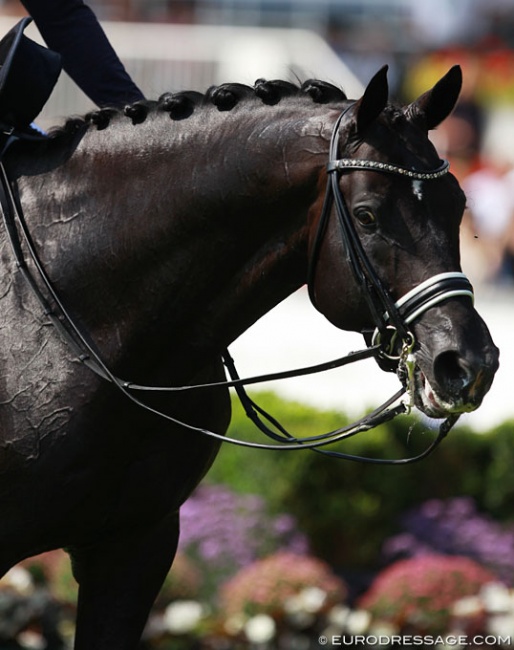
269, 584
418, 594
455, 527
260, 596
223, 531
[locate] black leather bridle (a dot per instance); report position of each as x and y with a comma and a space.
388, 317
391, 319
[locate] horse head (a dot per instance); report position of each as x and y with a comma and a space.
392, 214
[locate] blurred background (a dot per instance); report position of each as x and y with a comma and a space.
358, 520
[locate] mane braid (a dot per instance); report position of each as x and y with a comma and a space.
322, 92
271, 92
179, 105
138, 111
225, 97
71, 127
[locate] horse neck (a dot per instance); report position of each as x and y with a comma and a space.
194, 233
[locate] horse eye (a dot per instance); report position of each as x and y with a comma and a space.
365, 216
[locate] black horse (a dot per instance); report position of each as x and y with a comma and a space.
166, 239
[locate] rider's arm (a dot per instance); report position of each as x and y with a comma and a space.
70, 28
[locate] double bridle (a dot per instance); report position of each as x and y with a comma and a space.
392, 319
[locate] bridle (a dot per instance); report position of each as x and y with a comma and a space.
391, 319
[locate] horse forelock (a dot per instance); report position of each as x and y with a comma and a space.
183, 104
394, 135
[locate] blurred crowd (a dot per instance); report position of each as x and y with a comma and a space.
478, 140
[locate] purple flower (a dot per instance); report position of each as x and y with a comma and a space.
225, 531
455, 527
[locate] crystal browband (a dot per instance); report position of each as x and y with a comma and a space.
372, 165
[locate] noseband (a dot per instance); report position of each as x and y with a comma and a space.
391, 319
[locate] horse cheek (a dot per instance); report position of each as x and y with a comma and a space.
335, 289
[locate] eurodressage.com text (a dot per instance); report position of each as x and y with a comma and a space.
415, 640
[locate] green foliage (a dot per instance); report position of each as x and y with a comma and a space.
348, 509
499, 478
268, 473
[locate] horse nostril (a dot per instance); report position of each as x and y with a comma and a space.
452, 372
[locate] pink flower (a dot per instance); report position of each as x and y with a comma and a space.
418, 593
265, 585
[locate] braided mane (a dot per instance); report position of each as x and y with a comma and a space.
225, 97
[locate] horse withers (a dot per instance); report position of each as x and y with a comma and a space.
167, 230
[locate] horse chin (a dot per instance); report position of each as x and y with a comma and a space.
433, 404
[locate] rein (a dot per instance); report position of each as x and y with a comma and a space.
391, 320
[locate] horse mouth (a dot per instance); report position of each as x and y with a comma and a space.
434, 405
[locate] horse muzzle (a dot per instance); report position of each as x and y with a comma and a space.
452, 358
455, 367
463, 396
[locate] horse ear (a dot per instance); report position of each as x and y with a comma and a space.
435, 105
373, 102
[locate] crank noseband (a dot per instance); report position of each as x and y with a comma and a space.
416, 302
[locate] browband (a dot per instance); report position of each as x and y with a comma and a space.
373, 165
